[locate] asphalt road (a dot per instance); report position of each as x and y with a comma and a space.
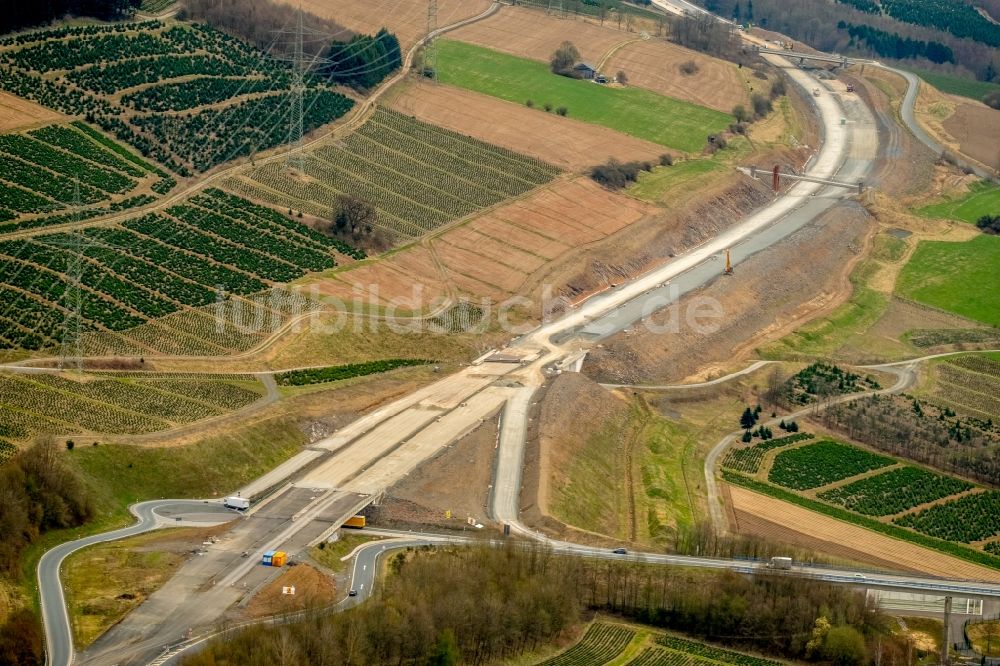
149, 516
909, 118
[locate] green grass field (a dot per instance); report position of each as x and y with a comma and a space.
954, 85
826, 335
665, 183
660, 183
957, 277
640, 113
983, 199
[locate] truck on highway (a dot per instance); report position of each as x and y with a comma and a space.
780, 563
239, 503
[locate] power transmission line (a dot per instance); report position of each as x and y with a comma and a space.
301, 66
430, 51
71, 354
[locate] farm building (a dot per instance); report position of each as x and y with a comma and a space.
584, 70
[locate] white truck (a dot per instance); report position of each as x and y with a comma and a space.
239, 503
781, 563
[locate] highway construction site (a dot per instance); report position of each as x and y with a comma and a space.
486, 412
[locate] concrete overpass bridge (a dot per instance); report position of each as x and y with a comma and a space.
843, 61
776, 176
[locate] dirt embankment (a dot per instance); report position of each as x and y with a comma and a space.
456, 480
576, 462
673, 232
905, 167
771, 292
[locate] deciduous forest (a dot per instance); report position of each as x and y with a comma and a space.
482, 604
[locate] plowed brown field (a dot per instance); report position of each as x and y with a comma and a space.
976, 127
817, 527
16, 113
564, 142
494, 255
652, 64
531, 33
655, 65
406, 18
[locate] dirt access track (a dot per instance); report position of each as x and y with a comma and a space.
567, 143
794, 524
17, 113
406, 18
653, 63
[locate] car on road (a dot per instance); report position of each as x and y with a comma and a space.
352, 593
859, 576
620, 551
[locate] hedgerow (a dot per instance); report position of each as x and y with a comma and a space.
339, 372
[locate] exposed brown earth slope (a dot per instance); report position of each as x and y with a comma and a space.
772, 292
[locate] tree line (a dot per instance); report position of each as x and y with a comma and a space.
38, 492
479, 605
260, 22
811, 21
364, 61
891, 45
920, 431
17, 15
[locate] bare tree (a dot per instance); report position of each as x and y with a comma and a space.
564, 59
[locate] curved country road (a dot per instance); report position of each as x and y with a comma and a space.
55, 617
907, 112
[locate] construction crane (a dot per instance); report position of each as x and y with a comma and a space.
729, 265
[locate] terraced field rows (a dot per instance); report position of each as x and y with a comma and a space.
604, 643
714, 653
54, 404
416, 176
159, 265
601, 644
7, 451
971, 518
970, 385
959, 512
894, 491
233, 102
821, 463
748, 459
63, 167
